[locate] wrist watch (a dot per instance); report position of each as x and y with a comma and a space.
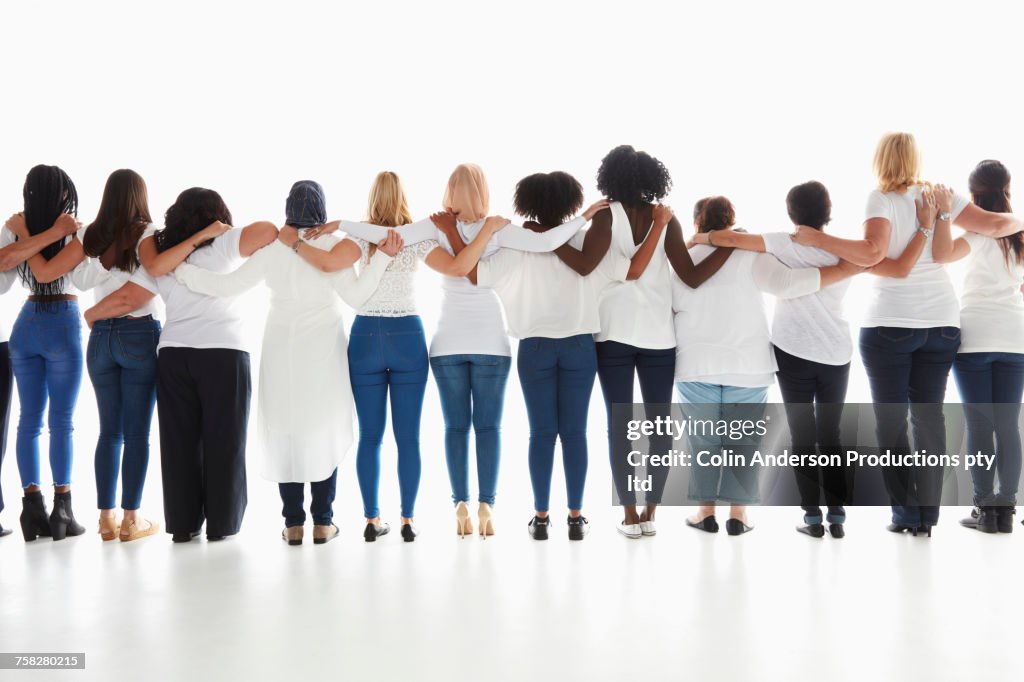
926, 231
295, 244
945, 215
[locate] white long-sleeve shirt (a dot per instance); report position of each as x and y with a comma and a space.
722, 334
471, 321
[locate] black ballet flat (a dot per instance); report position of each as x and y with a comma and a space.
185, 537
815, 530
409, 532
375, 530
737, 527
837, 530
708, 524
214, 538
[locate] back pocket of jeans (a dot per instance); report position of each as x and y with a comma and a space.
894, 334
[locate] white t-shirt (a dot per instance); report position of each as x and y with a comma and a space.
544, 297
811, 327
105, 282
638, 312
195, 320
722, 328
992, 316
471, 320
923, 299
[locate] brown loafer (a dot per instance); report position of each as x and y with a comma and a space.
324, 533
292, 535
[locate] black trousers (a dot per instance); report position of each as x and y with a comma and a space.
203, 399
814, 394
617, 364
6, 390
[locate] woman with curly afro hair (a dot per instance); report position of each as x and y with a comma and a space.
636, 336
552, 310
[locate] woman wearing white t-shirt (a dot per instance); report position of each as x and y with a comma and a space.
12, 255
910, 334
203, 378
811, 338
724, 357
304, 360
469, 354
989, 367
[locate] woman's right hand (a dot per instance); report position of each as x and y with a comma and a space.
16, 224
943, 198
807, 236
391, 244
214, 230
927, 209
495, 223
595, 208
67, 224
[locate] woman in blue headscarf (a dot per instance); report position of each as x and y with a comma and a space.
304, 361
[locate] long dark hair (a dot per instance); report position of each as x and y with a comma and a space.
990, 187
194, 209
121, 220
48, 192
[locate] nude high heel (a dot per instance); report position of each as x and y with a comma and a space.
463, 525
484, 515
109, 528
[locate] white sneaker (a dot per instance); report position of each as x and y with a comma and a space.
630, 530
647, 528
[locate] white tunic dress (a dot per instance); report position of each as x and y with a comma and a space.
304, 367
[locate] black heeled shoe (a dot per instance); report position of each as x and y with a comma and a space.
925, 529
62, 518
900, 528
1004, 519
375, 530
837, 530
736, 527
815, 530
35, 520
708, 524
409, 532
538, 527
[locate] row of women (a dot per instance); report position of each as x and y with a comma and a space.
625, 301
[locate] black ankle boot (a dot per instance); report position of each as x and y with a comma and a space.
62, 519
988, 519
34, 521
1004, 519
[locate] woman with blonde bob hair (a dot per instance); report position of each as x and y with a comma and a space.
470, 352
911, 332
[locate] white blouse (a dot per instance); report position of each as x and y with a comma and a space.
396, 294
722, 330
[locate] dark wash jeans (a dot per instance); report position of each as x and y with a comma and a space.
121, 358
617, 365
321, 508
814, 394
910, 367
991, 386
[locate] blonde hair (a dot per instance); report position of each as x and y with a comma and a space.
387, 205
897, 162
467, 195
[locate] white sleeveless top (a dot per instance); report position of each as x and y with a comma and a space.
637, 312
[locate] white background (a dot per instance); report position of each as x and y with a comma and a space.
743, 99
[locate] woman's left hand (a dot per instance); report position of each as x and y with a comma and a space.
595, 208
805, 235
943, 198
16, 224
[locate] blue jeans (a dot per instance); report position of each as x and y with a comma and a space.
121, 357
910, 367
732, 484
388, 353
472, 389
991, 386
46, 356
557, 376
321, 508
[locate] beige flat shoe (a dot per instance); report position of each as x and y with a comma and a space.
109, 528
324, 533
133, 530
292, 535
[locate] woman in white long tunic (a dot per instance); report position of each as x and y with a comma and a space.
304, 356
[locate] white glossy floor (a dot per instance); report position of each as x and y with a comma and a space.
772, 605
